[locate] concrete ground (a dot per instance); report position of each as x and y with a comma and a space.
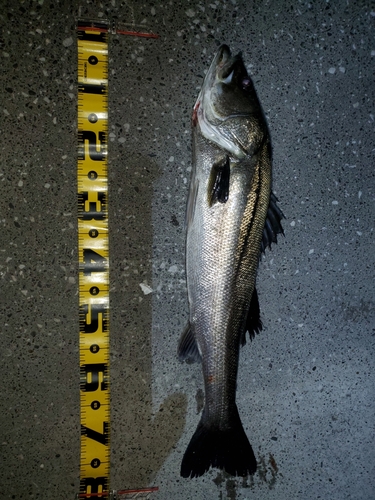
306, 391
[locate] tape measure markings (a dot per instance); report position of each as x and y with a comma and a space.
93, 250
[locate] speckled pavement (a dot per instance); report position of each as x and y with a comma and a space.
306, 389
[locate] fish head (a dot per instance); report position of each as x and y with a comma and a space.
227, 103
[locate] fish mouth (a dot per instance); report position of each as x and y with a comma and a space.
224, 69
228, 67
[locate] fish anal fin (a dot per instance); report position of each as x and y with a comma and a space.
253, 323
188, 348
218, 183
272, 226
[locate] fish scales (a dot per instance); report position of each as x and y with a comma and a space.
224, 265
228, 204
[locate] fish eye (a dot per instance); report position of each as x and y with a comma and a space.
246, 84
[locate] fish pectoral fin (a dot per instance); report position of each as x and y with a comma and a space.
218, 183
273, 226
253, 323
188, 348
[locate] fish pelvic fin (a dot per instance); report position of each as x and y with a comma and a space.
253, 322
272, 225
227, 449
187, 347
218, 183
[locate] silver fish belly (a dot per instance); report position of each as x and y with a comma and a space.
231, 217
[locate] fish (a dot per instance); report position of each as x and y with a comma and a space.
231, 217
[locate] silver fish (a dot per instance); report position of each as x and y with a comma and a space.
232, 217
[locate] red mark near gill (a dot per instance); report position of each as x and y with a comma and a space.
194, 118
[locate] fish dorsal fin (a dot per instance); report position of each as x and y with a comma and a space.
273, 225
253, 323
188, 348
218, 183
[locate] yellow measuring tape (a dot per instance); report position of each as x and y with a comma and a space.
93, 258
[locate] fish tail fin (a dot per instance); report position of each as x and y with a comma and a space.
228, 449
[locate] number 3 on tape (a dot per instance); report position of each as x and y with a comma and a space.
93, 258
